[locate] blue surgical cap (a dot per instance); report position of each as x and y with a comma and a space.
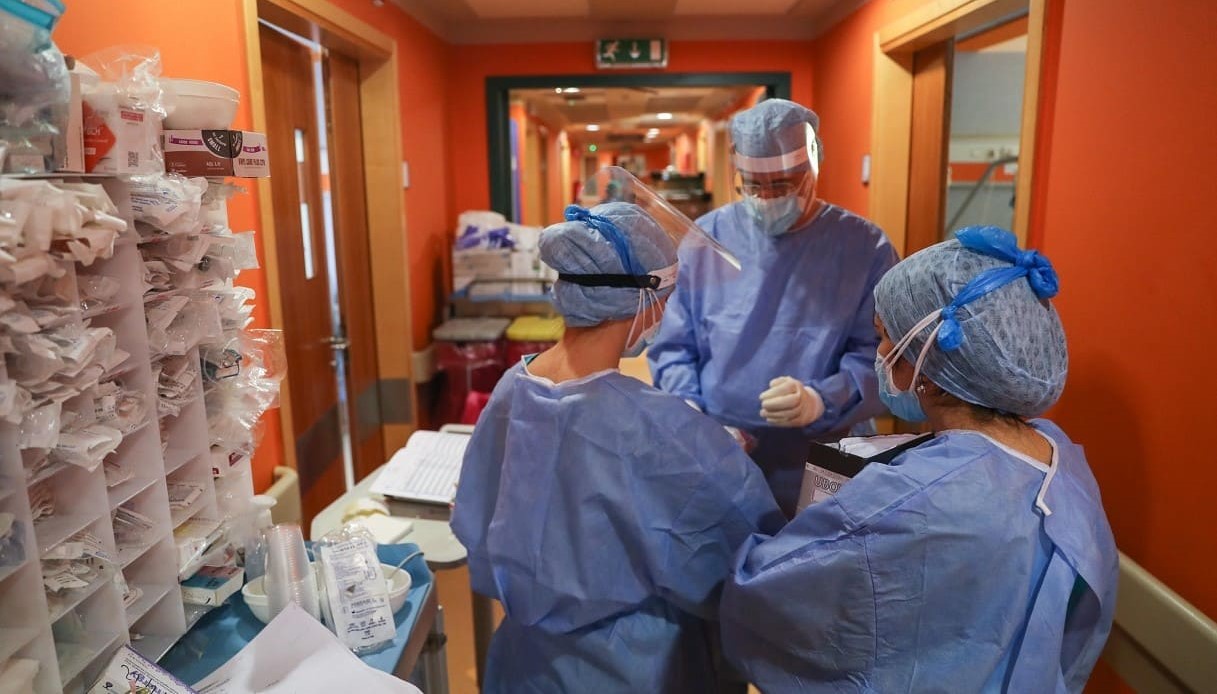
634, 244
1002, 345
772, 128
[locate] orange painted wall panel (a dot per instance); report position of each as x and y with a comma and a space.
842, 97
471, 65
1131, 231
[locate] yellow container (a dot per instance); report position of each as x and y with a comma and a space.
536, 329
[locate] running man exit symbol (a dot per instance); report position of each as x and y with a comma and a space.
631, 53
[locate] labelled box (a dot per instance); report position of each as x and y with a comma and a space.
237, 153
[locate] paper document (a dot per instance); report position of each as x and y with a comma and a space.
427, 469
294, 654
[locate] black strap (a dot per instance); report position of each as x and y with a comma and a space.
615, 281
886, 457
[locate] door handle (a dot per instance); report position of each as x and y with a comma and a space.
339, 344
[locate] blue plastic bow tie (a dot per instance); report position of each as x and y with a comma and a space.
1001, 244
608, 230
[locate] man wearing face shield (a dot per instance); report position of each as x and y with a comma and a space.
786, 349
603, 513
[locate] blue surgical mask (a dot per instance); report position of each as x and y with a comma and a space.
640, 345
903, 404
775, 216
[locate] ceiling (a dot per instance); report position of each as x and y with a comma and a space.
539, 21
626, 116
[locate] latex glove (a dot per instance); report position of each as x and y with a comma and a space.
789, 403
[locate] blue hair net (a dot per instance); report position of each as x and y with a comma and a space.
613, 238
773, 128
1001, 344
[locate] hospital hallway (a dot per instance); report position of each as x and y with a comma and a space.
314, 246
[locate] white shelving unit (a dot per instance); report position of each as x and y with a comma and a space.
74, 634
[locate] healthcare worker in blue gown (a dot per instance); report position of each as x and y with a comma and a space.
603, 513
978, 561
785, 351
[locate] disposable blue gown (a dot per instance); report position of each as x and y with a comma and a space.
605, 516
802, 306
936, 573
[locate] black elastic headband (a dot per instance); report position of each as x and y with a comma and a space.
615, 281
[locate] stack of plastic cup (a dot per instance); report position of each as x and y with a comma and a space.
289, 576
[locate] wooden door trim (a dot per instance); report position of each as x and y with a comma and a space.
382, 150
1027, 141
933, 68
892, 102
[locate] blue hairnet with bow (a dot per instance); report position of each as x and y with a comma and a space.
1000, 344
614, 238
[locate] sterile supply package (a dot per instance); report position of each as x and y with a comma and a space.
123, 111
355, 596
128, 671
35, 90
241, 382
167, 203
212, 585
12, 541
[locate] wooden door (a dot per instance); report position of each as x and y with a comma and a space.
929, 144
358, 329
292, 133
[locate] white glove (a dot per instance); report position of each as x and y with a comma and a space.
789, 403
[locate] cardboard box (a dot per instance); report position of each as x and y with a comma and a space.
237, 153
212, 585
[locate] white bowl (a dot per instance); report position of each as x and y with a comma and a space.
254, 592
199, 105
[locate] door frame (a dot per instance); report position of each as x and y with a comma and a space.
892, 117
498, 89
386, 215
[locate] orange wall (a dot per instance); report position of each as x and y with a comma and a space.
471, 65
842, 98
215, 50
658, 158
1138, 262
1138, 336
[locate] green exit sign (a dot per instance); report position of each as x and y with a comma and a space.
631, 53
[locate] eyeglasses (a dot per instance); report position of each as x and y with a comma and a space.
777, 190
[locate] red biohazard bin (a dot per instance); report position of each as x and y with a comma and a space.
470, 356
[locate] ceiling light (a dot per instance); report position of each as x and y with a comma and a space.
664, 116
557, 90
593, 128
571, 90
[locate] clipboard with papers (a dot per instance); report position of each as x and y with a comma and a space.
426, 470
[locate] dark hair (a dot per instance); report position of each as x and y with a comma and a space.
986, 415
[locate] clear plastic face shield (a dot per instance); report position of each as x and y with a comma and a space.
779, 191
615, 184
